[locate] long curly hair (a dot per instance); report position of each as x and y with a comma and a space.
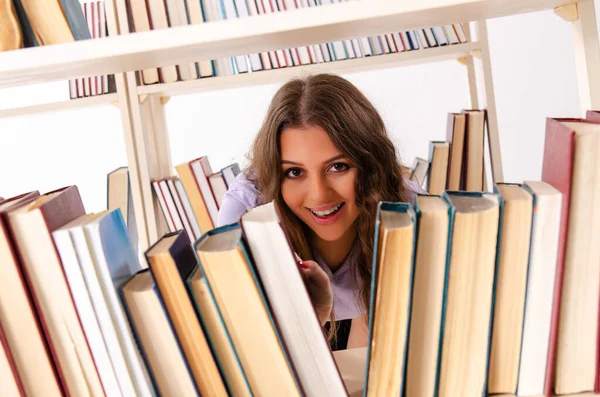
358, 131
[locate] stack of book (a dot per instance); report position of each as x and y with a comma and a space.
457, 163
192, 199
473, 293
159, 14
95, 16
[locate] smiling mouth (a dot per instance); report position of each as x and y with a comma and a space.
327, 213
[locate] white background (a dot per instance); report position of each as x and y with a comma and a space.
534, 77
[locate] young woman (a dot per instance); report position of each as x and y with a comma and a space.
324, 157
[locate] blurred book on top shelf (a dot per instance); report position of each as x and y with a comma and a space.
156, 14
95, 17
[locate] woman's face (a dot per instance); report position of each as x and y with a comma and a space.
318, 182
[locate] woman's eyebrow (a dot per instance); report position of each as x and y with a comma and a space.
289, 162
336, 157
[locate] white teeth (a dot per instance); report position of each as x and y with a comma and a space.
329, 211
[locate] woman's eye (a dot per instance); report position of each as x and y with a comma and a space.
339, 167
293, 173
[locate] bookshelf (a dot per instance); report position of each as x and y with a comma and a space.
142, 107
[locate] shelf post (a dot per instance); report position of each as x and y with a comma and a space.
587, 54
479, 70
134, 164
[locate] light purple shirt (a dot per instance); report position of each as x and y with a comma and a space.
242, 194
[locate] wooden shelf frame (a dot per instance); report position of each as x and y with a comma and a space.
356, 65
60, 106
214, 40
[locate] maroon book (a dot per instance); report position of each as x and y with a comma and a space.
557, 170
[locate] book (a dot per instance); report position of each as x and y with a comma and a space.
540, 288
571, 164
151, 323
171, 260
511, 287
227, 265
474, 149
438, 168
469, 309
10, 31
101, 309
391, 291
83, 305
22, 328
277, 270
217, 334
32, 226
11, 384
455, 135
115, 262
429, 294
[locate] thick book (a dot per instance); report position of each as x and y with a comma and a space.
572, 165
540, 288
171, 260
226, 263
115, 262
511, 287
475, 228
290, 303
217, 334
32, 226
390, 302
153, 326
432, 254
23, 333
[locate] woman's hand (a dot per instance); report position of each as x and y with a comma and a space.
318, 287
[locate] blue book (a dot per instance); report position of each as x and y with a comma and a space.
116, 262
391, 296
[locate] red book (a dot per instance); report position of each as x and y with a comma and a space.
557, 170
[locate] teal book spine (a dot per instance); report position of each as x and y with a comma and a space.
396, 207
445, 284
500, 202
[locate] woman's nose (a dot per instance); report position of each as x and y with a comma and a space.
320, 191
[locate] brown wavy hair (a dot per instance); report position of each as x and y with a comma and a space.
358, 131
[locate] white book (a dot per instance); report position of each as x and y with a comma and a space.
83, 305
537, 320
230, 12
212, 12
108, 271
195, 17
243, 12
125, 375
290, 302
180, 210
187, 206
264, 56
178, 17
440, 35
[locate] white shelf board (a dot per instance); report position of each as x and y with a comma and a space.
272, 76
60, 106
247, 35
